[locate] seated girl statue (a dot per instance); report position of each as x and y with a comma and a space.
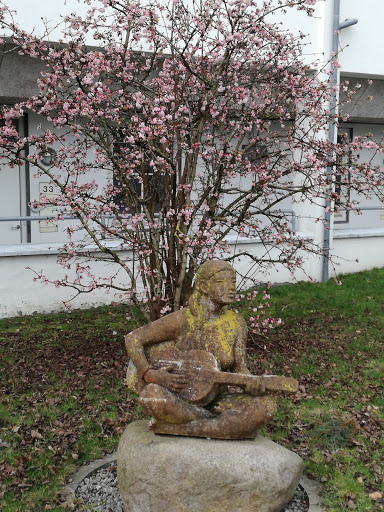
205, 325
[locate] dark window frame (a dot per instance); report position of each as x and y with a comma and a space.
119, 199
338, 181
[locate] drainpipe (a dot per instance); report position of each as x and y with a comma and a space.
336, 27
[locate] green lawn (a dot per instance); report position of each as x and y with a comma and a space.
63, 399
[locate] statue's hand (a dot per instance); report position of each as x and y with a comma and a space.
257, 387
173, 381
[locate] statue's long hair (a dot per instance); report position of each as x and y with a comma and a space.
198, 301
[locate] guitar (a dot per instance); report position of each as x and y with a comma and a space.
204, 376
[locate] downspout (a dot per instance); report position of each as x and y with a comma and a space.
336, 27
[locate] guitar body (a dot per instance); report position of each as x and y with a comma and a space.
197, 365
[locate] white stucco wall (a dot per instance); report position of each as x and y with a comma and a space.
357, 251
45, 14
35, 15
363, 43
19, 294
362, 239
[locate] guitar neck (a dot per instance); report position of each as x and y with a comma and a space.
273, 383
201, 367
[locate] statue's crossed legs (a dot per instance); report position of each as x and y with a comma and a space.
234, 416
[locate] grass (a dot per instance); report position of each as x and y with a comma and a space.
63, 400
336, 335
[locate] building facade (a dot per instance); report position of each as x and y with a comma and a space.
356, 242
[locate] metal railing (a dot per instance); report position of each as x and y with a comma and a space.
22, 219
72, 217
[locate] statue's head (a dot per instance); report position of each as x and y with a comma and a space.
216, 279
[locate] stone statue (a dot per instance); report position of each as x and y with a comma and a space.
181, 366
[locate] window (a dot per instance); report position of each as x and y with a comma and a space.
342, 181
12, 199
145, 186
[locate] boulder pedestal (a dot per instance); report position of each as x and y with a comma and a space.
159, 473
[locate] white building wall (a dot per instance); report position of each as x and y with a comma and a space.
36, 16
362, 44
10, 232
45, 14
21, 295
357, 251
44, 236
361, 239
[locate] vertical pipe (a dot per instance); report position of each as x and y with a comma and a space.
331, 138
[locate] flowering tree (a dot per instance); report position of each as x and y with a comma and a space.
189, 123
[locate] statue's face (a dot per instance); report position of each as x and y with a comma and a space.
221, 288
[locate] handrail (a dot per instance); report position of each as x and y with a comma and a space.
21, 219
71, 217
362, 209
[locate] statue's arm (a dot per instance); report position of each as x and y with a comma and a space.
166, 328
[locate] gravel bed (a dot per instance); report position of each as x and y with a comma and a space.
98, 492
299, 501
